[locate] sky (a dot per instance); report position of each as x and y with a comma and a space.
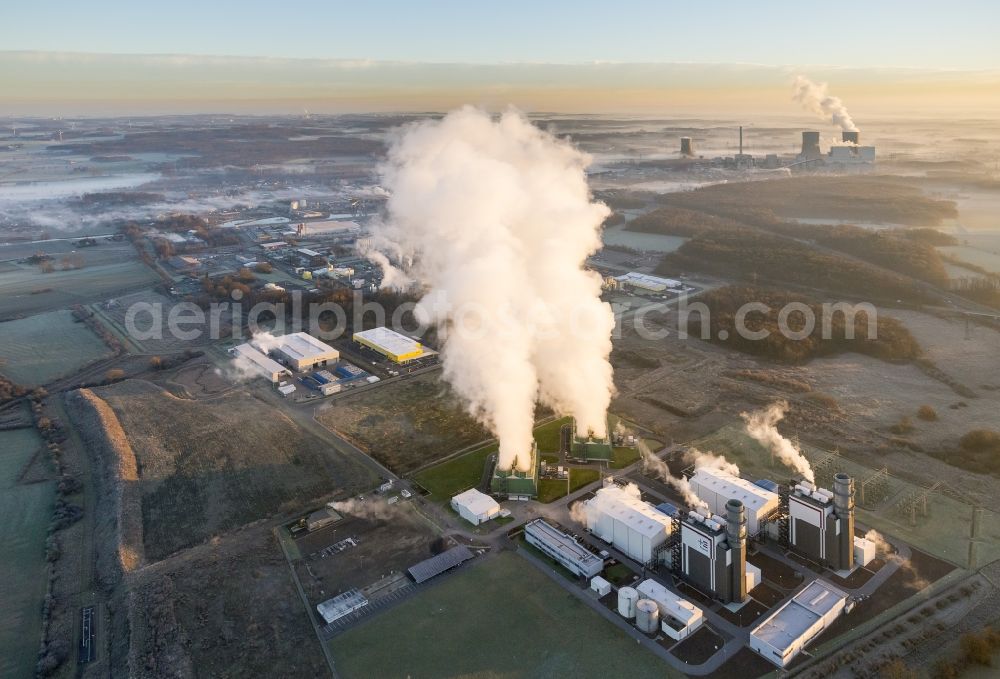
394, 55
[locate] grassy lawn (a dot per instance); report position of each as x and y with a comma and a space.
547, 435
461, 473
619, 574
623, 457
26, 510
452, 477
499, 618
578, 478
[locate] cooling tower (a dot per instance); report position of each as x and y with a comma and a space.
810, 145
687, 148
843, 505
850, 137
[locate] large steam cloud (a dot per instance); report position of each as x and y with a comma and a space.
814, 98
494, 220
762, 426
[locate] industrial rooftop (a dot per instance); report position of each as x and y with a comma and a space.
790, 622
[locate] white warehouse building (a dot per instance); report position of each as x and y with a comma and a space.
715, 487
792, 627
475, 507
301, 351
619, 516
678, 616
248, 356
573, 556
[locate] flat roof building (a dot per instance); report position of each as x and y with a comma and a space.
475, 507
644, 281
391, 344
341, 605
569, 553
436, 565
249, 356
678, 616
793, 626
620, 516
715, 487
302, 351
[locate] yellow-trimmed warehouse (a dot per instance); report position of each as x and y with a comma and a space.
391, 344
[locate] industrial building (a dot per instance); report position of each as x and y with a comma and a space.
647, 282
302, 351
678, 616
789, 629
848, 153
391, 344
514, 483
341, 605
566, 551
259, 362
475, 507
436, 565
714, 553
589, 447
321, 518
600, 585
821, 523
620, 517
326, 227
716, 487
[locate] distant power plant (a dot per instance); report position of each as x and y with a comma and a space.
810, 146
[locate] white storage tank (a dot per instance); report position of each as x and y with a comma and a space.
627, 597
647, 616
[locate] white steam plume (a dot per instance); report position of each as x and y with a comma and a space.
762, 426
702, 459
652, 464
493, 219
886, 551
814, 98
375, 509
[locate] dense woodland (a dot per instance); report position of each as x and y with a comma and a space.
892, 341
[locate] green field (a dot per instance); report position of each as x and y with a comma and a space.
38, 349
24, 289
26, 510
501, 618
550, 490
461, 473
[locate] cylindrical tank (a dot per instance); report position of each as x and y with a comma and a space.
627, 596
647, 616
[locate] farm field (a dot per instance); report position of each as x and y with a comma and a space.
44, 347
404, 424
24, 289
26, 510
210, 466
546, 632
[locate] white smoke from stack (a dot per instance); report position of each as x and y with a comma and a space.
887, 552
652, 465
762, 426
375, 509
493, 220
815, 99
702, 459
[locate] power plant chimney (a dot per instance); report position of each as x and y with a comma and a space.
687, 149
741, 140
736, 535
843, 507
850, 137
810, 145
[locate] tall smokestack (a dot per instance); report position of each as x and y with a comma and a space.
843, 506
850, 137
741, 140
687, 149
810, 144
736, 535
